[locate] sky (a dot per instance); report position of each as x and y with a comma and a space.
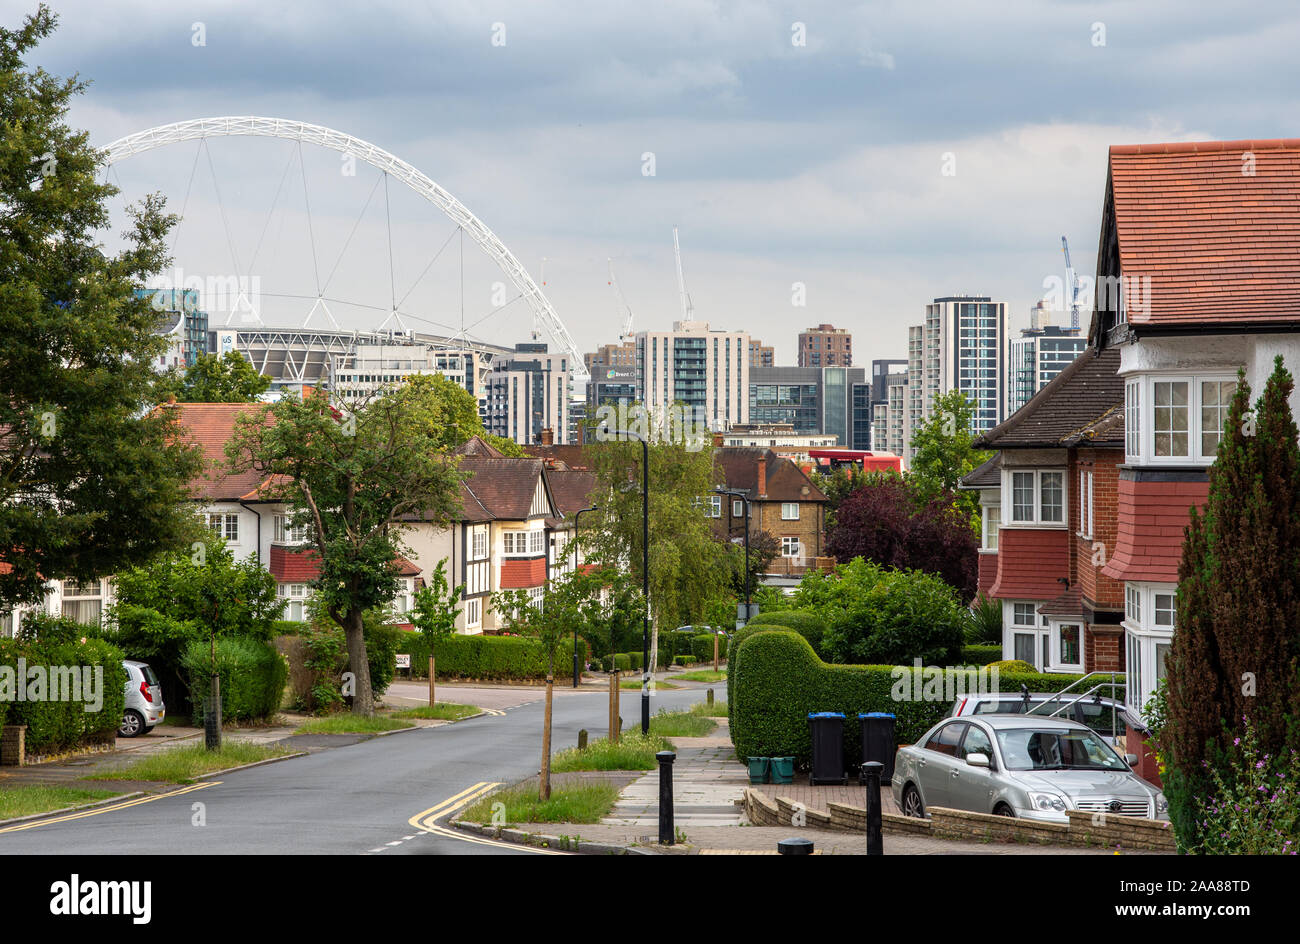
824, 162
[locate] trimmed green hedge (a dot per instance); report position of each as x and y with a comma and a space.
64, 724
702, 647
808, 625
253, 675
980, 655
776, 680
684, 660
288, 628
491, 657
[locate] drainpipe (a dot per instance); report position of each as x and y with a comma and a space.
245, 504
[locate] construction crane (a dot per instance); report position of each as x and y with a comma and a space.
687, 307
1072, 286
623, 306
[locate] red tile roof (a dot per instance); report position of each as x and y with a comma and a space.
786, 482
1030, 561
1220, 244
294, 566
210, 426
1149, 539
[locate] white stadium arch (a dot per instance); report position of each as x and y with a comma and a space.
457, 212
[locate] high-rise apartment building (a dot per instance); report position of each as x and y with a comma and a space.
370, 367
809, 399
527, 393
889, 415
876, 393
622, 354
760, 354
1040, 353
705, 371
825, 346
183, 321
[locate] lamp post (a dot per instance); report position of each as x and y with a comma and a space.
743, 496
645, 573
576, 515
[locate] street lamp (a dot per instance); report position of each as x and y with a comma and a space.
645, 572
743, 496
576, 515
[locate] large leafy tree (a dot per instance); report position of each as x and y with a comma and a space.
945, 453
881, 521
91, 479
462, 413
688, 564
1236, 650
356, 471
216, 378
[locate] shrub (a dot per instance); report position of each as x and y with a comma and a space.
1255, 812
702, 647
500, 657
383, 642
1011, 665
684, 660
980, 655
622, 662
288, 627
808, 625
252, 674
60, 725
776, 680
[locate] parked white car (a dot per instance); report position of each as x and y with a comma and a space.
144, 700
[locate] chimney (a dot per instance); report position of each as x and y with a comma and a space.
762, 475
548, 436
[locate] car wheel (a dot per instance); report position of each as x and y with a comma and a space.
1003, 810
132, 724
912, 805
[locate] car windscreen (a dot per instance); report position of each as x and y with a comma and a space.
1035, 749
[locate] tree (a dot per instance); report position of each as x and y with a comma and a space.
91, 479
881, 522
356, 471
884, 616
180, 598
463, 415
1235, 657
688, 564
216, 378
944, 454
436, 607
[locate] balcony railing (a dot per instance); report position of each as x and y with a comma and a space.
791, 566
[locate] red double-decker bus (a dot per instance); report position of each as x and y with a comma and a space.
830, 459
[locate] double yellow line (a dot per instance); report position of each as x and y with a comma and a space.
427, 821
111, 808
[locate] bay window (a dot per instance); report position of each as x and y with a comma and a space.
1035, 496
989, 529
524, 543
1150, 615
1085, 503
1175, 419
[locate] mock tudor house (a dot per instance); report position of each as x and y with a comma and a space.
783, 501
1048, 502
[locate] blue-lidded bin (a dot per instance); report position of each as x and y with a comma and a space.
878, 743
827, 731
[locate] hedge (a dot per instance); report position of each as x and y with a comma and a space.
808, 625
253, 676
979, 655
64, 724
702, 647
684, 660
776, 680
491, 657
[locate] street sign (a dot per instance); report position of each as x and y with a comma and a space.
403, 660
745, 612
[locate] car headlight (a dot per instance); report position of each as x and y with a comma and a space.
1162, 805
1047, 802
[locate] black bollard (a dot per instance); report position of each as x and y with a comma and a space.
666, 833
710, 701
795, 847
582, 739
875, 842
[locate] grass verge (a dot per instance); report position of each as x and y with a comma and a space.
636, 684
441, 711
185, 764
716, 710
681, 724
702, 675
28, 799
632, 752
583, 803
351, 724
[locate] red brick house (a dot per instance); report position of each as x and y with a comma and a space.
783, 501
1204, 240
1048, 498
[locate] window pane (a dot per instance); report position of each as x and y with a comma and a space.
1053, 488
1216, 396
1022, 496
1070, 645
1024, 646
1170, 421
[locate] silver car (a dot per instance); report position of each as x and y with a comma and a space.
144, 700
1022, 766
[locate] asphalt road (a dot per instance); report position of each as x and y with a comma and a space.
358, 799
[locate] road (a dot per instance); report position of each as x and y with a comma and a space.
359, 799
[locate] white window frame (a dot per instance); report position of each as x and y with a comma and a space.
1145, 636
789, 511
478, 543
286, 533
226, 525
1139, 420
715, 507
1058, 664
473, 613
1085, 504
1028, 623
516, 543
785, 547
1037, 521
992, 520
